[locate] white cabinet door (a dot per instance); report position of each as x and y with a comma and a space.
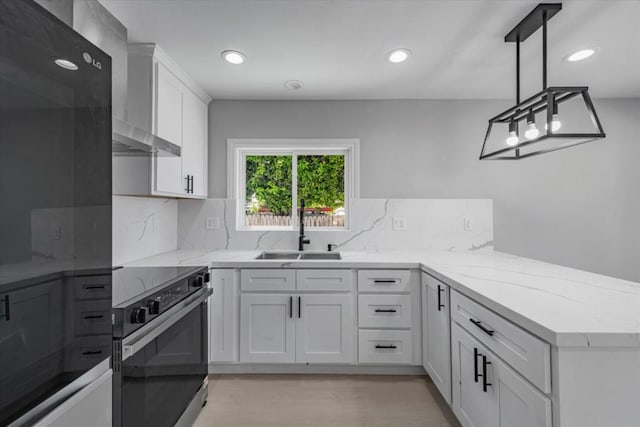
223, 317
267, 328
516, 401
324, 329
506, 400
437, 335
470, 403
194, 143
168, 125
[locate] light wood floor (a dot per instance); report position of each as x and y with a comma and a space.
323, 400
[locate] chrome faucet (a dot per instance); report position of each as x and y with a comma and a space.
301, 237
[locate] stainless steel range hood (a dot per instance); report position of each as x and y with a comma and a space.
132, 141
94, 22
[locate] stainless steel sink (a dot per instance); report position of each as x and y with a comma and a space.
278, 255
299, 255
321, 255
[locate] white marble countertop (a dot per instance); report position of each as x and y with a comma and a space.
563, 306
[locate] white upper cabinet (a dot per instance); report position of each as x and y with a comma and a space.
163, 100
194, 143
169, 105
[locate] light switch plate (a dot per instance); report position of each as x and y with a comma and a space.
467, 224
212, 223
399, 224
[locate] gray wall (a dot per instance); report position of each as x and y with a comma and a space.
578, 207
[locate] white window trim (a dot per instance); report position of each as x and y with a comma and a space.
237, 149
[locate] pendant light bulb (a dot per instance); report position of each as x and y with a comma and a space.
532, 131
556, 124
513, 139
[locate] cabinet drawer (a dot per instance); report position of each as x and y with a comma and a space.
526, 353
275, 279
324, 280
92, 318
87, 351
386, 347
92, 287
384, 280
384, 311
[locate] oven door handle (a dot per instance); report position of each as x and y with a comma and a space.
143, 336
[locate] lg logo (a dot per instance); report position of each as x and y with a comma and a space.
89, 60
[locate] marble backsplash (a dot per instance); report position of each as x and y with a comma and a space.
142, 227
436, 224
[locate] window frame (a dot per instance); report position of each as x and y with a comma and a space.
239, 149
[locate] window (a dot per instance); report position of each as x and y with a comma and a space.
270, 178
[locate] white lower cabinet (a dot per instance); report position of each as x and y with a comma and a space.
385, 347
267, 328
223, 316
306, 328
436, 339
486, 392
324, 329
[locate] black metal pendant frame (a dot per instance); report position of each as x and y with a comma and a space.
548, 99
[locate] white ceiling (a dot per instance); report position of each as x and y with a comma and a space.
338, 47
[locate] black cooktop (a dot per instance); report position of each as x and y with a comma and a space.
133, 284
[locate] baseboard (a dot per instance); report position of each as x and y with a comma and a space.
250, 368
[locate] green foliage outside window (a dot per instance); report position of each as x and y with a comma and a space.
269, 179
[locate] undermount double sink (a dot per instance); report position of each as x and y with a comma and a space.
299, 256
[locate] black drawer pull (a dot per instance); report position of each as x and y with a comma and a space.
386, 346
93, 316
384, 281
479, 325
93, 287
476, 375
299, 307
91, 352
485, 384
290, 307
379, 310
440, 305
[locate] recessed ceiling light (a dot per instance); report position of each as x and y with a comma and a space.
294, 84
398, 55
580, 55
233, 57
66, 64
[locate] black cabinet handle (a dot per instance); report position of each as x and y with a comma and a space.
93, 316
191, 184
485, 384
476, 375
386, 346
440, 305
384, 281
6, 314
291, 307
479, 325
299, 307
91, 352
187, 189
93, 287
379, 310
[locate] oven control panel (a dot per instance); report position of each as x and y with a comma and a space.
139, 313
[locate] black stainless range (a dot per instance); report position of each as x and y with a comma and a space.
160, 345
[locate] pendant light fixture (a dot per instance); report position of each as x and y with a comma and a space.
506, 143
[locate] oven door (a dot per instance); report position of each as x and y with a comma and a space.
164, 367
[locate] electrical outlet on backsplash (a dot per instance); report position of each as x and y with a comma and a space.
374, 225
